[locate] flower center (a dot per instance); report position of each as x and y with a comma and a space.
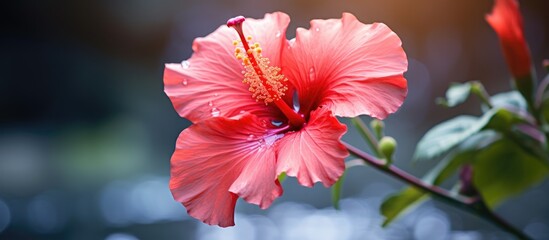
266, 83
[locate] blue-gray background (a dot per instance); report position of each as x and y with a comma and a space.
86, 132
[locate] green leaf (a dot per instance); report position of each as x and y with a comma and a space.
531, 140
503, 169
336, 191
456, 94
446, 135
464, 153
400, 203
503, 119
511, 99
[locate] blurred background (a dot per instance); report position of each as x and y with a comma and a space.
86, 132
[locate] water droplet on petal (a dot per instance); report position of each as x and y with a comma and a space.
251, 137
184, 82
317, 29
185, 64
215, 94
210, 103
261, 142
312, 74
277, 123
215, 112
278, 33
242, 111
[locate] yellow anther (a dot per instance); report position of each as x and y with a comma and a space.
265, 82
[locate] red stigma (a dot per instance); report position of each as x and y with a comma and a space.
235, 21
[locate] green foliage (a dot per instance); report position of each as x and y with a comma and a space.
456, 94
531, 140
407, 199
502, 166
446, 135
505, 146
443, 137
511, 99
400, 203
464, 153
336, 191
504, 169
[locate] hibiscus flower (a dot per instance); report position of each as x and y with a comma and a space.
262, 106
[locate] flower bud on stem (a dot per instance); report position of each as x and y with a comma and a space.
378, 126
387, 147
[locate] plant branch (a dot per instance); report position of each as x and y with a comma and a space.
473, 205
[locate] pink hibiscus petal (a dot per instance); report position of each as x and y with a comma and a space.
209, 84
314, 153
218, 159
350, 67
253, 184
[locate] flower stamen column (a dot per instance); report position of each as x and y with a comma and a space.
268, 87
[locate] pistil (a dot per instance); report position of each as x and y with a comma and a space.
270, 86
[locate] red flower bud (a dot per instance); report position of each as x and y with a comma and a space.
507, 22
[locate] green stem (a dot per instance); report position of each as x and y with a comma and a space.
367, 135
478, 89
473, 205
